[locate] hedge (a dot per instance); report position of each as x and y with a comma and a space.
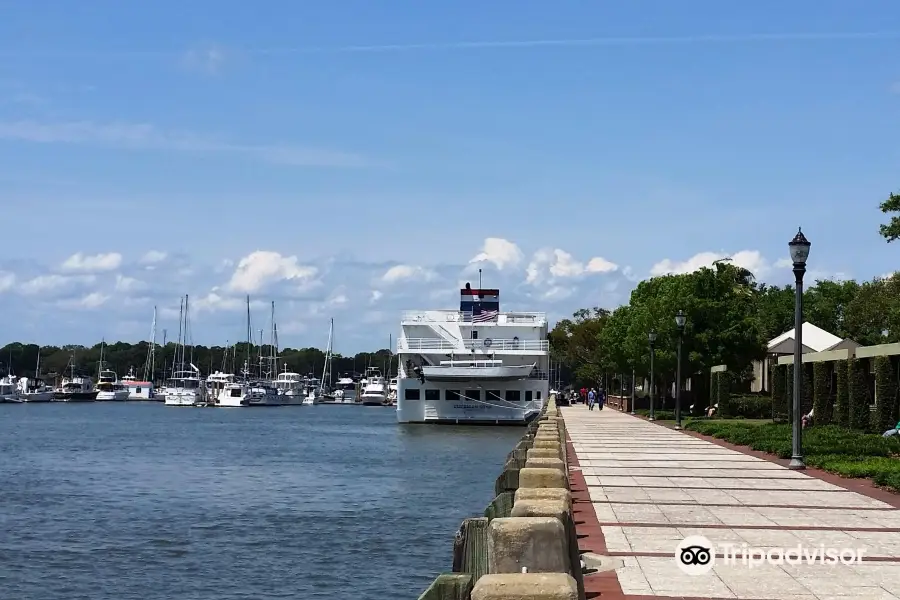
823, 400
723, 394
858, 394
789, 391
884, 416
806, 392
841, 414
779, 399
751, 407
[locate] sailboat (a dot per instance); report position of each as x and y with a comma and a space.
35, 389
142, 389
184, 388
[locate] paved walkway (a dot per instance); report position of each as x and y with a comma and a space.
650, 487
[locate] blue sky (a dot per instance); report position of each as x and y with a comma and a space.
338, 140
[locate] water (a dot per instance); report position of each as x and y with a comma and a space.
143, 501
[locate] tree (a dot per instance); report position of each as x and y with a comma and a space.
575, 342
891, 230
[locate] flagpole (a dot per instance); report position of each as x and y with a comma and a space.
479, 280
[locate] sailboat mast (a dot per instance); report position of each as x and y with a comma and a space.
187, 336
327, 356
249, 339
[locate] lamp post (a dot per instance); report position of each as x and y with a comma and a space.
632, 391
799, 247
652, 337
680, 319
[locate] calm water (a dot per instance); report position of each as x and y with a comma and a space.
143, 501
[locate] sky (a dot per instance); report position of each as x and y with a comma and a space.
351, 159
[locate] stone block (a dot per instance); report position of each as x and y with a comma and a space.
543, 507
553, 444
545, 463
552, 436
542, 453
560, 494
542, 478
526, 586
538, 544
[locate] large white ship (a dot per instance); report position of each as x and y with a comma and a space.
473, 365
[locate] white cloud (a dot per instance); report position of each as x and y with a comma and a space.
7, 281
376, 296
43, 284
152, 257
407, 272
93, 263
129, 284
263, 267
548, 265
87, 302
143, 136
500, 252
752, 260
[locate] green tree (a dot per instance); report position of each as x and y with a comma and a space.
891, 230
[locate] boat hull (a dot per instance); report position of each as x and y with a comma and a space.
117, 396
37, 397
75, 396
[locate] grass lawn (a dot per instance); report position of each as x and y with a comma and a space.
830, 448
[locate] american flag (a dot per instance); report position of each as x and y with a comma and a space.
485, 316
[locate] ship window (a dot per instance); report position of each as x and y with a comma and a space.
432, 394
527, 395
137, 390
451, 394
474, 335
494, 395
411, 394
473, 395
537, 395
513, 395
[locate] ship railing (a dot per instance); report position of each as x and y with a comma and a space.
458, 316
487, 345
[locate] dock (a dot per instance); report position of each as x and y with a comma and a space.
603, 504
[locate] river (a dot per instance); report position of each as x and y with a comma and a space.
142, 501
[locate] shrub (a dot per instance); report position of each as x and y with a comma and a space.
751, 407
858, 394
841, 414
885, 415
723, 394
823, 401
779, 400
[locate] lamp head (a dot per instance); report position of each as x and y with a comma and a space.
680, 319
799, 247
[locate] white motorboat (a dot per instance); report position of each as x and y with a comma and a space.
312, 391
375, 391
345, 391
32, 389
185, 387
9, 391
263, 393
109, 388
290, 386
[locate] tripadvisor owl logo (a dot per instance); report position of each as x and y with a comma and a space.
695, 555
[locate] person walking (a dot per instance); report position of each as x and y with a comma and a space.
590, 399
601, 398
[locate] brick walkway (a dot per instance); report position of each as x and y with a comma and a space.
650, 487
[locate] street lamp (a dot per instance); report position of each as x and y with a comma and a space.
680, 319
632, 391
799, 247
652, 337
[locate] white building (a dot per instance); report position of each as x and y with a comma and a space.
814, 339
472, 365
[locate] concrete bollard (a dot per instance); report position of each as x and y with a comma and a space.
545, 463
541, 507
560, 494
544, 443
552, 436
542, 478
538, 544
526, 586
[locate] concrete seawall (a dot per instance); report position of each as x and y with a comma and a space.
525, 546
